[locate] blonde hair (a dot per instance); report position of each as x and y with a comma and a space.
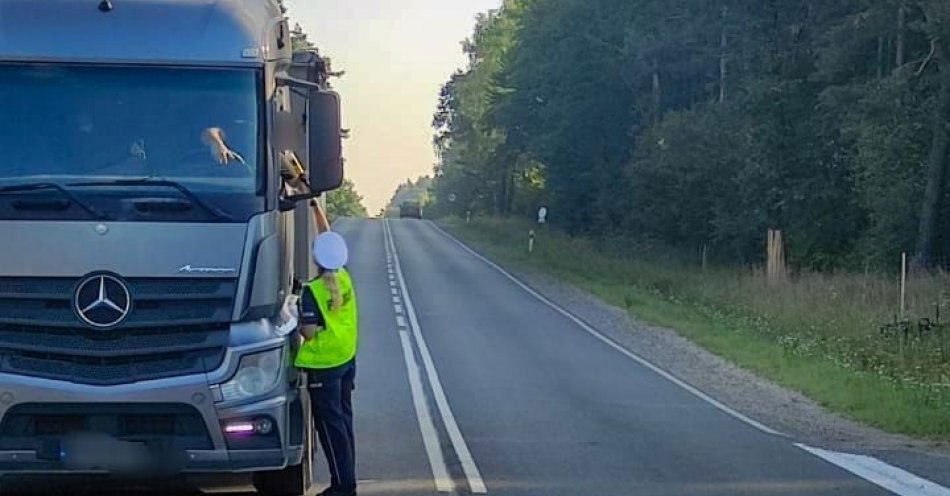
333, 286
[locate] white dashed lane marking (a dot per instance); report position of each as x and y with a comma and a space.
430, 437
465, 459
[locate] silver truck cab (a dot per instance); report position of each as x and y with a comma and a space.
141, 273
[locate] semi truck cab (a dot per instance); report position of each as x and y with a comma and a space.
151, 234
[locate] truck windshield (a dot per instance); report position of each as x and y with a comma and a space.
88, 128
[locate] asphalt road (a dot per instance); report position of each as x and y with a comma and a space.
468, 383
541, 406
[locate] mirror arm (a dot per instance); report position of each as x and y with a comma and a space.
298, 83
290, 202
304, 196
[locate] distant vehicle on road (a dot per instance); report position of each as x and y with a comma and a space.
410, 210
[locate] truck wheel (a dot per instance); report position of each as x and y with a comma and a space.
291, 481
294, 480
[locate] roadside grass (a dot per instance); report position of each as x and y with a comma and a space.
819, 334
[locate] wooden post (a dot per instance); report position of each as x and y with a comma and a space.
775, 257
903, 284
705, 253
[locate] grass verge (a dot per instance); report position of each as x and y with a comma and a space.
819, 334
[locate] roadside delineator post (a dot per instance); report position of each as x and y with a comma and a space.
531, 241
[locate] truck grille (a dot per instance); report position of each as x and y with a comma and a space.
175, 327
47, 302
25, 426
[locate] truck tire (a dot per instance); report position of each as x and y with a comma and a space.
291, 481
295, 480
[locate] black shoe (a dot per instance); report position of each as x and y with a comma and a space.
336, 492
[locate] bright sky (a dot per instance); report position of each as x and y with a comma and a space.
396, 54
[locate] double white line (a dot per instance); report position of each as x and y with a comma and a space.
430, 437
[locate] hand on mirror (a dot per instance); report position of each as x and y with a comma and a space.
292, 172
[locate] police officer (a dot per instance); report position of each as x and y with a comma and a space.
328, 324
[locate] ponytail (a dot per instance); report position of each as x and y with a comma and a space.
333, 286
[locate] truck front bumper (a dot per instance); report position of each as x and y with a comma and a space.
26, 448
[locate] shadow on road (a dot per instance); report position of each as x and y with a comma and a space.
102, 486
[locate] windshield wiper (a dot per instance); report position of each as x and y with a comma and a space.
150, 181
58, 187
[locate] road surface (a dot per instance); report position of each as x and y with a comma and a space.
469, 383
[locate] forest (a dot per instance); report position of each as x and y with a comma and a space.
679, 124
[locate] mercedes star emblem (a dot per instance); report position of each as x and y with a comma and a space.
102, 301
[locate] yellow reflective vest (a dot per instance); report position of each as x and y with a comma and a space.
334, 345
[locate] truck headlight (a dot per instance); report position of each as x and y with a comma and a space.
257, 374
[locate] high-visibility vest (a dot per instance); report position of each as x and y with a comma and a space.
334, 345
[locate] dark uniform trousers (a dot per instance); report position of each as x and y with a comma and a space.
331, 392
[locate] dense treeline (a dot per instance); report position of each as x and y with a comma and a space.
345, 201
691, 122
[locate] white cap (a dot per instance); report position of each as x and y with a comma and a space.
329, 251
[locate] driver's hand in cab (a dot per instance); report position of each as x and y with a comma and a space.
214, 138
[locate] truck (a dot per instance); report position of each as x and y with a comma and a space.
410, 209
154, 223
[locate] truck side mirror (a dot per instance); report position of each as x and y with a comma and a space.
325, 141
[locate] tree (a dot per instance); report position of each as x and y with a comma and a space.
345, 202
299, 39
937, 16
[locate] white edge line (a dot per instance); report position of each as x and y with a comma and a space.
597, 334
895, 480
430, 437
475, 482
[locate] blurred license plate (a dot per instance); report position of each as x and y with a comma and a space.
101, 452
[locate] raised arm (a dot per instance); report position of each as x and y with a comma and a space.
319, 218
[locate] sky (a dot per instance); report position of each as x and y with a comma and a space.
396, 54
